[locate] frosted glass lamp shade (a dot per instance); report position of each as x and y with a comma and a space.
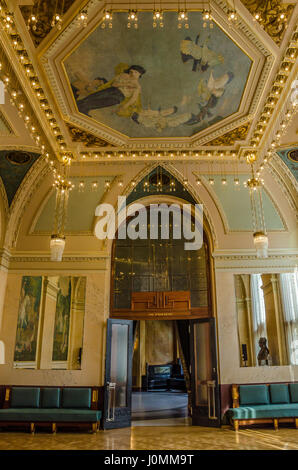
57, 245
261, 244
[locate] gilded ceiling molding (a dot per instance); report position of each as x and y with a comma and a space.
89, 140
270, 141
45, 10
240, 133
270, 12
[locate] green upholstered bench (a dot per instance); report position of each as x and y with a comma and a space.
271, 403
50, 406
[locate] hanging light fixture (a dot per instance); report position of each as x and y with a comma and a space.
260, 237
207, 17
107, 19
82, 19
57, 17
157, 18
182, 16
232, 14
57, 243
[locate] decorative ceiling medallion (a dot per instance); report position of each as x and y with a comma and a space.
270, 16
89, 140
44, 10
19, 158
293, 155
240, 133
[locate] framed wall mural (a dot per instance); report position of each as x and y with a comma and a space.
50, 324
62, 320
157, 82
28, 320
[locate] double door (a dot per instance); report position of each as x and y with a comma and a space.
202, 367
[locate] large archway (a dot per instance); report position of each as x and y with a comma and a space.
154, 279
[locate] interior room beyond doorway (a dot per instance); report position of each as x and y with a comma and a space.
159, 385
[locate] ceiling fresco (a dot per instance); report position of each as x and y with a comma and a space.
165, 83
290, 158
13, 168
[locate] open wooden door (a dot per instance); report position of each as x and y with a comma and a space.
204, 379
118, 374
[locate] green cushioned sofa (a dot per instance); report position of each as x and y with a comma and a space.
50, 406
264, 403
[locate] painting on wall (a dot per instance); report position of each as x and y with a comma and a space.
28, 319
62, 320
157, 83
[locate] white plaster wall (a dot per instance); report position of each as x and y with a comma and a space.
228, 342
91, 373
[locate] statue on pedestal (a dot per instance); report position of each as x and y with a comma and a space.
263, 356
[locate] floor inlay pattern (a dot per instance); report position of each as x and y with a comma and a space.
156, 438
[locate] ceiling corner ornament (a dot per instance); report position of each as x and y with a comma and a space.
88, 139
272, 15
240, 133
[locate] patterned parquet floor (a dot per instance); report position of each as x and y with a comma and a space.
155, 438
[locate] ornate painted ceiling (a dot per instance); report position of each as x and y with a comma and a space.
117, 94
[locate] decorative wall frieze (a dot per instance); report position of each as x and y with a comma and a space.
277, 261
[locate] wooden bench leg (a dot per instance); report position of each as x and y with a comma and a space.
296, 423
275, 421
94, 427
32, 428
236, 424
54, 428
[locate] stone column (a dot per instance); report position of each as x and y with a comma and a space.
48, 322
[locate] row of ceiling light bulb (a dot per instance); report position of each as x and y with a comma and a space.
24, 60
95, 185
184, 154
157, 18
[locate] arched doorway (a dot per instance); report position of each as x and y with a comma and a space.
155, 279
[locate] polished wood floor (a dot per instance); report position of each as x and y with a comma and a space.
161, 435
